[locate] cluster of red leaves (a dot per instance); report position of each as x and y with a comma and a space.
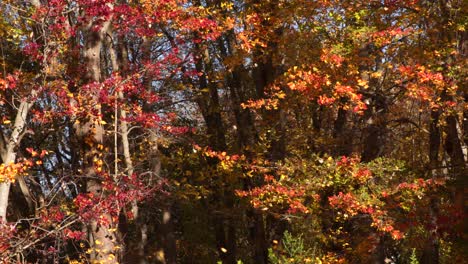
400, 196
147, 120
325, 100
146, 19
316, 85
220, 155
7, 232
177, 130
352, 206
51, 216
132, 18
35, 153
345, 162
118, 195
306, 82
9, 82
50, 222
54, 221
75, 235
419, 184
207, 28
389, 35
95, 12
331, 58
275, 195
425, 85
152, 120
353, 167
348, 175
351, 93
362, 174
33, 51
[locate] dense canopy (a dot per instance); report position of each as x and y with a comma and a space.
244, 131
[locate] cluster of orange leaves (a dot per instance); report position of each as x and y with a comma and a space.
226, 160
425, 84
313, 84
274, 95
10, 172
350, 204
276, 194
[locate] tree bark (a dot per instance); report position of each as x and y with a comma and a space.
431, 248
209, 104
344, 142
8, 153
102, 240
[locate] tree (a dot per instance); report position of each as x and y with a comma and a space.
178, 131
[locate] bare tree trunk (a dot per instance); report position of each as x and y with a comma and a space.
8, 153
210, 107
431, 248
4, 193
454, 144
344, 146
166, 228
168, 240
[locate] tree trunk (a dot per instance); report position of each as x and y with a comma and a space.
8, 148
209, 104
431, 248
344, 143
258, 237
8, 153
102, 240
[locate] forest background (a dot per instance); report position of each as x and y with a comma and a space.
244, 131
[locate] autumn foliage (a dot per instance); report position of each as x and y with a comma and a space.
275, 131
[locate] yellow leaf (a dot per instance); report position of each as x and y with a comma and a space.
281, 95
376, 74
363, 83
